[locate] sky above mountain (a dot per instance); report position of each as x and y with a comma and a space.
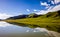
18, 7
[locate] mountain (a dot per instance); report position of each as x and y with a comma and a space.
32, 15
18, 17
50, 21
55, 14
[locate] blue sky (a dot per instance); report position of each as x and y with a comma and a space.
18, 7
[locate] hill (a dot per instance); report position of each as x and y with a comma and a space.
55, 14
51, 21
18, 17
32, 15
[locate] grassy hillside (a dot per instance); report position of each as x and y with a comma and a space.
51, 21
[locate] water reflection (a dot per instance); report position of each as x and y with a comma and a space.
6, 27
10, 29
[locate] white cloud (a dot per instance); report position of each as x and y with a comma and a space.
44, 4
48, 7
4, 16
41, 12
52, 2
56, 1
28, 10
35, 10
56, 8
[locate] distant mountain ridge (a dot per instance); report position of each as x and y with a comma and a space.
18, 17
33, 15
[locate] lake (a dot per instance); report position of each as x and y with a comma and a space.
11, 30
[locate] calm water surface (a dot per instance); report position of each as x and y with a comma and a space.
10, 30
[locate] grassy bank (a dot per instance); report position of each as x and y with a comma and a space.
49, 23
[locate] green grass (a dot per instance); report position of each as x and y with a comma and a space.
49, 23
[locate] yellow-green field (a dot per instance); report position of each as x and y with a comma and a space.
49, 23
